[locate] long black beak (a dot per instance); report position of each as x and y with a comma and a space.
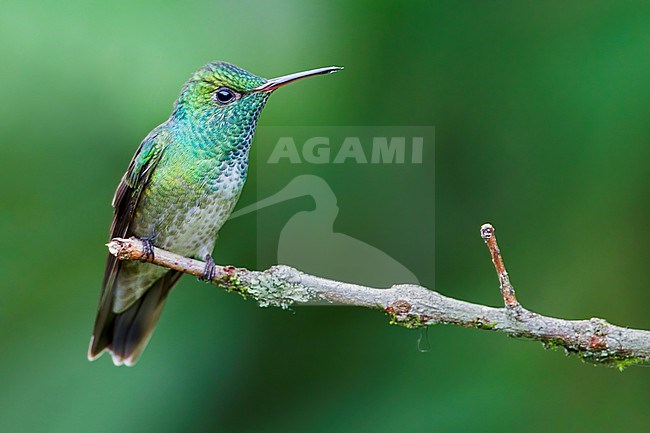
275, 83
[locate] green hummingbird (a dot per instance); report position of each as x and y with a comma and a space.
180, 188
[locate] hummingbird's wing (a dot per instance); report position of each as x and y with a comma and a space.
125, 202
127, 195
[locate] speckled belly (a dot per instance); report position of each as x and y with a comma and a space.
185, 218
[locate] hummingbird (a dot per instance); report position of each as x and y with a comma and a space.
179, 189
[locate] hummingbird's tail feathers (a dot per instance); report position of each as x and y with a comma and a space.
125, 335
133, 328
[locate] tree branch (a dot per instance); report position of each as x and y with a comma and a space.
412, 306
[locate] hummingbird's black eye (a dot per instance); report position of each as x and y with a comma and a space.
224, 95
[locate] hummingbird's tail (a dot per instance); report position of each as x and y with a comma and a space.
126, 334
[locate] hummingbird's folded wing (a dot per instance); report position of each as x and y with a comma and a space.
125, 202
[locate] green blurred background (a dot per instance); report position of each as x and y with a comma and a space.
541, 114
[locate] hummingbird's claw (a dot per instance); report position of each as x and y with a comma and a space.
210, 270
147, 250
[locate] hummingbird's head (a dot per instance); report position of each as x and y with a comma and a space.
221, 90
224, 102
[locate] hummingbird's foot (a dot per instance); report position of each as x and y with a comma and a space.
147, 250
210, 270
